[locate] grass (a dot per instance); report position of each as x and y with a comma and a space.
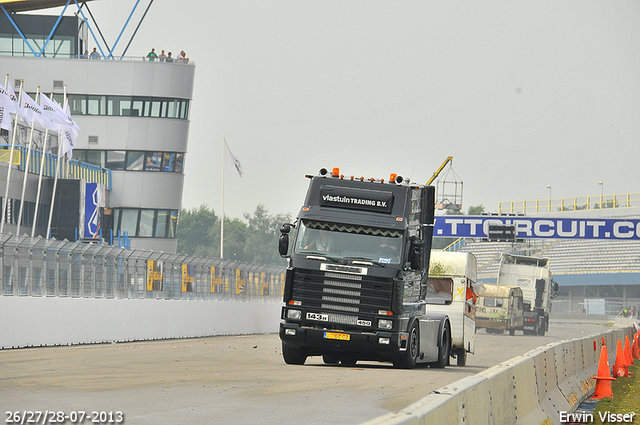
626, 396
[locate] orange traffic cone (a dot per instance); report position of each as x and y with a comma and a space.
603, 380
635, 349
620, 368
627, 351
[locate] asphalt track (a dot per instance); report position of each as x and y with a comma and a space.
232, 380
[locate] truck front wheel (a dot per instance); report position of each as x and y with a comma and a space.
293, 355
407, 360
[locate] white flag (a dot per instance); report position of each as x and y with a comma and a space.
8, 105
232, 160
31, 112
55, 113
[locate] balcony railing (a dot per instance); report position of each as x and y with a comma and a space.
72, 168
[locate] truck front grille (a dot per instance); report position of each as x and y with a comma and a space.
361, 294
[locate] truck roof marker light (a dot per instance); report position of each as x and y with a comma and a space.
341, 176
392, 178
336, 172
361, 178
381, 180
352, 177
372, 179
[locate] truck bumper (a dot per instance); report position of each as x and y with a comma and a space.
492, 323
369, 346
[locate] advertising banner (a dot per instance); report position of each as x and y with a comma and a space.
154, 275
216, 280
93, 204
188, 272
539, 228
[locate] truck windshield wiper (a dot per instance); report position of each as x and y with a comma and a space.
323, 255
377, 263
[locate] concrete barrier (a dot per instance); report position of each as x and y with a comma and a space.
47, 321
531, 389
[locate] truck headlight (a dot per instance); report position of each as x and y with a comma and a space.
294, 314
385, 324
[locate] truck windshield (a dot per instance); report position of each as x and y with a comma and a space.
349, 241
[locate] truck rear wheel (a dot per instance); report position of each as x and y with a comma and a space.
293, 355
443, 351
461, 357
541, 329
407, 360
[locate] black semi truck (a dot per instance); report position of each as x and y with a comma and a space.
356, 281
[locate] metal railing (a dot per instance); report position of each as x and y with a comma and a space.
628, 200
72, 168
50, 268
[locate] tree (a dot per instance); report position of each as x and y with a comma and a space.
261, 245
194, 226
477, 210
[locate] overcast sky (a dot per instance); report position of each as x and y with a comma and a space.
522, 94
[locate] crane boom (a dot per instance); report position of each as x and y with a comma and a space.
435, 175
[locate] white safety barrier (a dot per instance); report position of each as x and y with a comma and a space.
531, 389
48, 321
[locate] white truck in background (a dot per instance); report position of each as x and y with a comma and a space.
451, 290
533, 276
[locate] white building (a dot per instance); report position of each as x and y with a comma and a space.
134, 120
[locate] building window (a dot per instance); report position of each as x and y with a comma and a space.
129, 221
135, 160
153, 161
128, 106
115, 160
145, 223
145, 230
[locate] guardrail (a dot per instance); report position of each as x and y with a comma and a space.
40, 267
628, 200
534, 388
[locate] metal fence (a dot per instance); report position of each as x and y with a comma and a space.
51, 268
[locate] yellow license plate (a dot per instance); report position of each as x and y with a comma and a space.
334, 335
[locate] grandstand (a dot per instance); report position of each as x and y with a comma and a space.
584, 269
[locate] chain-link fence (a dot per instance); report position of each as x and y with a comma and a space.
51, 268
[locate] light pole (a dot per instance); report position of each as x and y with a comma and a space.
549, 187
601, 195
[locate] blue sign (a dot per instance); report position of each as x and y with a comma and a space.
539, 228
92, 211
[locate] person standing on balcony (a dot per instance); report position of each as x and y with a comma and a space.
152, 55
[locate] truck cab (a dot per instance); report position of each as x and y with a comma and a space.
356, 281
500, 308
533, 276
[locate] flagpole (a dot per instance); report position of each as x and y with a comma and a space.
26, 170
224, 166
42, 161
13, 145
55, 179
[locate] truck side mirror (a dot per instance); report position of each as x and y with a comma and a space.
285, 228
415, 253
283, 240
283, 244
